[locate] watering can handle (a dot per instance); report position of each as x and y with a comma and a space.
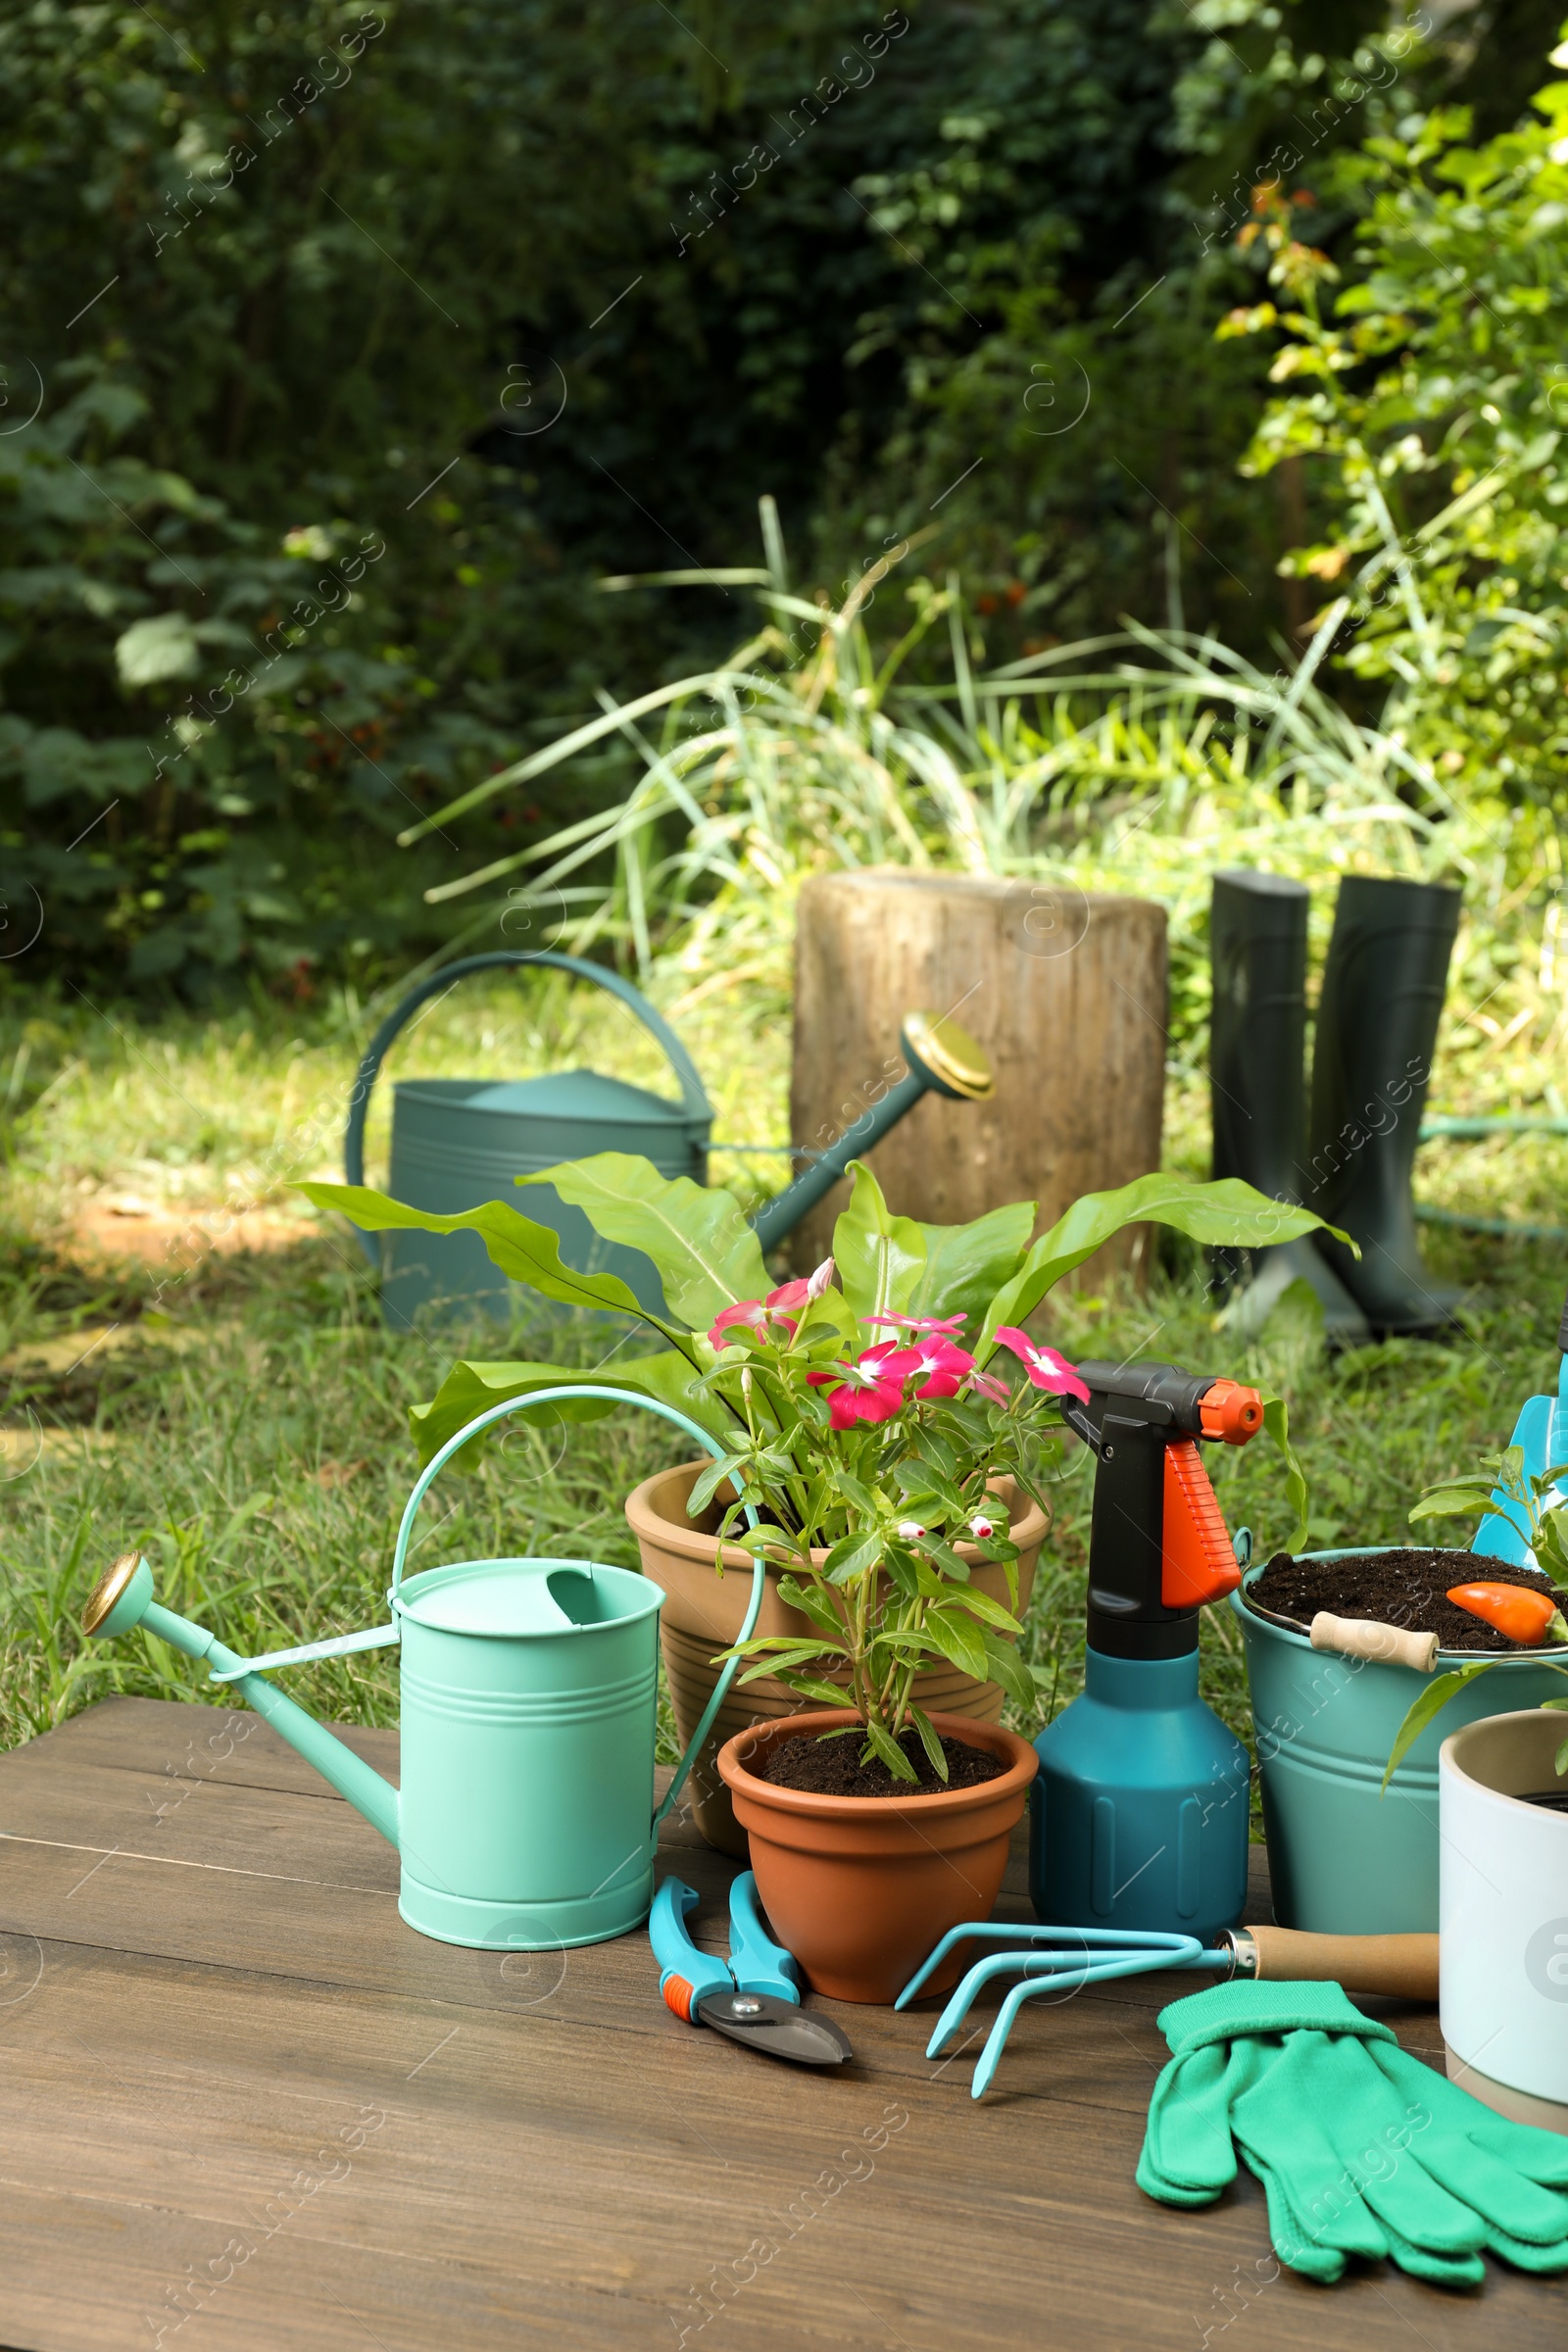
693, 1095
666, 1413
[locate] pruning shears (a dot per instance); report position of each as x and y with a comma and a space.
754, 1996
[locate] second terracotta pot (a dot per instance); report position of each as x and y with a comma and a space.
861, 1888
704, 1613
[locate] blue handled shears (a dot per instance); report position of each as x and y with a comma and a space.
754, 1995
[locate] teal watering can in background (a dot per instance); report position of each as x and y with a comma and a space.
524, 1819
459, 1141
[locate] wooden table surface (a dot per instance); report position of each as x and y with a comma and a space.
242, 2105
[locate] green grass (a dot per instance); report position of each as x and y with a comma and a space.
245, 1426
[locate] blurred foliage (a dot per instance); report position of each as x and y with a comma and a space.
488, 301
1427, 396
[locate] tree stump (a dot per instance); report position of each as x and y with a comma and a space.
1064, 990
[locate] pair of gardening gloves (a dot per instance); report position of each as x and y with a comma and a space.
1360, 2148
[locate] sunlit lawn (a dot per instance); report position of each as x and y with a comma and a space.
240, 1416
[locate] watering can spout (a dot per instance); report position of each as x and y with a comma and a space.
942, 1060
124, 1598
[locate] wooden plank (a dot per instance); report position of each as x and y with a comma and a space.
209, 2114
552, 2158
182, 1740
204, 1871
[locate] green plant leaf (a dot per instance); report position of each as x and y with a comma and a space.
784, 1649
902, 1571
1432, 1702
856, 1492
989, 1612
790, 1665
852, 1555
880, 1257
1550, 1548
523, 1250
1277, 1423
942, 1555
469, 1390
886, 1748
827, 1694
957, 1640
1227, 1213
812, 1602
707, 1255
710, 1480
965, 1265
1005, 1666
828, 1323
929, 1741
1455, 1498
163, 646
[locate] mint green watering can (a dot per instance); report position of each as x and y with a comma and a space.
525, 1815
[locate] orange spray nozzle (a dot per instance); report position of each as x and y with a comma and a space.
1230, 1413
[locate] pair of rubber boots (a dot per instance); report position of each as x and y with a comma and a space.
1377, 1026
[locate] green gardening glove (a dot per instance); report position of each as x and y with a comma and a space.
1360, 2149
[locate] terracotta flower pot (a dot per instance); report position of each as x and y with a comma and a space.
859, 1888
704, 1613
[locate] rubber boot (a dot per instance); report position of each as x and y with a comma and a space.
1257, 1054
1377, 1025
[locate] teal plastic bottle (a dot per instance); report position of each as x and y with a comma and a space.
1139, 1816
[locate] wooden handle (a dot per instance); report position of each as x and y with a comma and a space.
1404, 1965
1365, 1637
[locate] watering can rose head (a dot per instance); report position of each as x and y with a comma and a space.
867, 1413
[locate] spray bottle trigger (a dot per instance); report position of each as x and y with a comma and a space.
1197, 1562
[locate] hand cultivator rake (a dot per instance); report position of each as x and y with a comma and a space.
1058, 1962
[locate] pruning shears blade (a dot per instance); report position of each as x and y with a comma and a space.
777, 2027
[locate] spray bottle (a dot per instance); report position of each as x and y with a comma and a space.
1140, 1812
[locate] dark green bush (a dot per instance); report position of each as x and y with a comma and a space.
492, 300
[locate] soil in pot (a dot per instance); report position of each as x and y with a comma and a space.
832, 1767
1396, 1588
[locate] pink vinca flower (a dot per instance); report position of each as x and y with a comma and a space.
986, 1383
945, 1324
941, 1368
783, 1306
873, 1389
1046, 1369
750, 1311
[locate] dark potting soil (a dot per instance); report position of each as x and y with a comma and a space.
1407, 1589
830, 1768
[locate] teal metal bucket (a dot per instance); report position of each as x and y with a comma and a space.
1345, 1859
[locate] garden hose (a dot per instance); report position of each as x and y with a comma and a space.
1500, 1228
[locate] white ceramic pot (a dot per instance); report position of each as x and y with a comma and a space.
1503, 1878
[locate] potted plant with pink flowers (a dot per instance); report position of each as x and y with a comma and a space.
893, 1427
